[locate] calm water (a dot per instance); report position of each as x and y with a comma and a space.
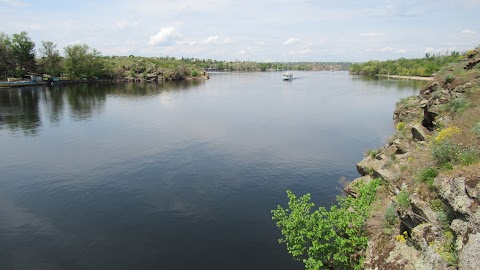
178, 175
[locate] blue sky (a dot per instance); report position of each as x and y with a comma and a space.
273, 30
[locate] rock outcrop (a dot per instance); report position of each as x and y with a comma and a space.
440, 228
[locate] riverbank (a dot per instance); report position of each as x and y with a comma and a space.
407, 77
429, 217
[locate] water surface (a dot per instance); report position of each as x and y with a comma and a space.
178, 175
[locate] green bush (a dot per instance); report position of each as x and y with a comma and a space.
325, 239
427, 175
443, 213
449, 78
468, 156
373, 153
476, 129
403, 199
401, 126
446, 153
391, 217
458, 105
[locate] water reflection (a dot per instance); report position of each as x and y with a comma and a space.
400, 84
19, 111
20, 108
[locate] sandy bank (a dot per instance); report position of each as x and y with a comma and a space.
408, 77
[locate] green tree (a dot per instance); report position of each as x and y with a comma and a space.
51, 59
7, 63
334, 239
23, 49
83, 63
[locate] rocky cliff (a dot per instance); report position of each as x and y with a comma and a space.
429, 218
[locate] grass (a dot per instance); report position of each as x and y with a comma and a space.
457, 105
476, 129
403, 199
390, 217
427, 175
449, 78
373, 153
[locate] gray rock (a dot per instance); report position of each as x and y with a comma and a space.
460, 228
419, 133
401, 146
469, 256
473, 188
454, 192
351, 190
422, 209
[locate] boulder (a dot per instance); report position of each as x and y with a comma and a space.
419, 133
472, 187
401, 146
469, 258
453, 190
351, 190
461, 229
422, 209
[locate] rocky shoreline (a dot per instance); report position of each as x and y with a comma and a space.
418, 225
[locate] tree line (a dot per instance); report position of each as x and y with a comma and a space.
18, 57
266, 66
424, 67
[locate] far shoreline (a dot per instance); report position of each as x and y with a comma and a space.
419, 78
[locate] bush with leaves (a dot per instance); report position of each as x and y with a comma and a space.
333, 239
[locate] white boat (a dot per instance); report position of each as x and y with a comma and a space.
287, 76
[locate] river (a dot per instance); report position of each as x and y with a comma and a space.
178, 175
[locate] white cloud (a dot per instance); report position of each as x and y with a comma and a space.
402, 51
261, 43
467, 32
124, 24
14, 3
242, 52
164, 37
371, 34
291, 41
429, 50
303, 51
216, 40
386, 49
211, 39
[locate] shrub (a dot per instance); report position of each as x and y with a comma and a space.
449, 78
427, 175
391, 217
369, 171
327, 239
446, 248
458, 104
195, 73
443, 213
476, 129
445, 153
401, 126
468, 156
373, 153
403, 198
447, 133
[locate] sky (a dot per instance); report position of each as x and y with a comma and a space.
251, 30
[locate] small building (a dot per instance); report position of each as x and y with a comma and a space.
33, 77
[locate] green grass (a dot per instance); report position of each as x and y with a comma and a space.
390, 217
427, 175
403, 199
476, 129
